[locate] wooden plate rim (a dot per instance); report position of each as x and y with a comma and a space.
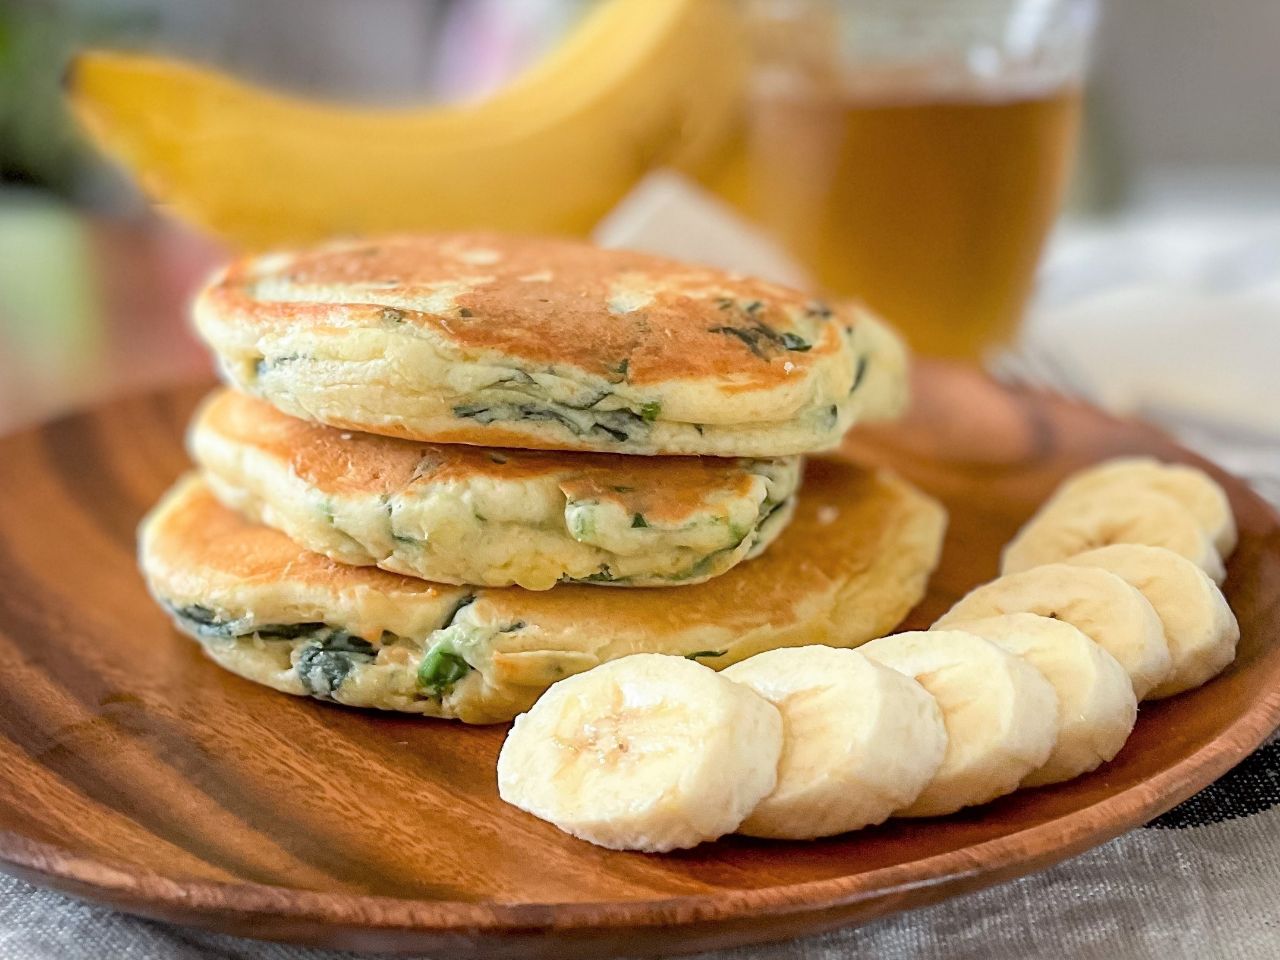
1182, 781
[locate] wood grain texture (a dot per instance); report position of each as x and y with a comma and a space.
135, 773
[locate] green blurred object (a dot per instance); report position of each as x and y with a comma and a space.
38, 144
50, 322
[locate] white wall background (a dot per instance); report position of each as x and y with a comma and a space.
1192, 82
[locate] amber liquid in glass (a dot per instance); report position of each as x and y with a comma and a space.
932, 208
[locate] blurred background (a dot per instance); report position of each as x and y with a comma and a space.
1177, 172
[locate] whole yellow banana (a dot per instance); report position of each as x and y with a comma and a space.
641, 83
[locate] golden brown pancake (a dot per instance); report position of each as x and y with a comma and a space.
461, 514
854, 560
546, 343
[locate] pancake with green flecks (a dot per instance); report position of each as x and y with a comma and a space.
508, 341
853, 561
461, 514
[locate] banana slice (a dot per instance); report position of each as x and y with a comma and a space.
1096, 705
649, 752
859, 740
999, 711
1087, 519
1190, 486
1200, 628
1101, 605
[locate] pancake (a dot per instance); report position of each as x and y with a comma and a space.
507, 341
855, 559
459, 514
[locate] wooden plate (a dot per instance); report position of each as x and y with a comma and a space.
135, 773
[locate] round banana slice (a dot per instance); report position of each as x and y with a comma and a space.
859, 740
649, 752
1101, 605
1190, 486
1082, 521
1001, 714
1199, 626
1096, 705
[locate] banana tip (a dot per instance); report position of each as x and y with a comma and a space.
70, 72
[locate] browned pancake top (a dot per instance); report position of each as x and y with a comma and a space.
617, 314
665, 489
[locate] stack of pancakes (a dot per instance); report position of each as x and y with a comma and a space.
451, 470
